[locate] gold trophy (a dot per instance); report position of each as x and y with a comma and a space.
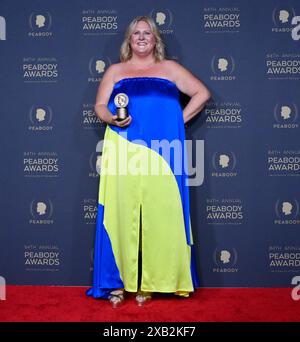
121, 101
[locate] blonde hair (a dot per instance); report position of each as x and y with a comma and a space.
159, 49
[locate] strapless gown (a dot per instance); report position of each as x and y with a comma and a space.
143, 202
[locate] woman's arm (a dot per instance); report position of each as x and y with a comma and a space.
103, 94
187, 83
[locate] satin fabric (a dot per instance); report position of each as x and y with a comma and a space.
160, 202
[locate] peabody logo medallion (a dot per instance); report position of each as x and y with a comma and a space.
121, 101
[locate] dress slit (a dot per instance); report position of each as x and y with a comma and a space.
139, 277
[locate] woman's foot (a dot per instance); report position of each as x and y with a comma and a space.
143, 297
116, 298
185, 294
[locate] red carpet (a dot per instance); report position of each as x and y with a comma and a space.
69, 304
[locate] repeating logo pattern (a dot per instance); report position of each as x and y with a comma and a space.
243, 148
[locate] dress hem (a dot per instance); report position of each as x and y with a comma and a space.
159, 291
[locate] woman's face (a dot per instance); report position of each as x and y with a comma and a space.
142, 39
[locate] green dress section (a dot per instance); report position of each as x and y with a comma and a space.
165, 253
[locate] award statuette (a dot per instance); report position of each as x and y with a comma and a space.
121, 101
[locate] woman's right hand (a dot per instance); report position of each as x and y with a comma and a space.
122, 123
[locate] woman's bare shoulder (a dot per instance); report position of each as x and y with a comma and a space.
113, 68
116, 70
170, 68
172, 65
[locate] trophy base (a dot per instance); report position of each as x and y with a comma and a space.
121, 119
122, 114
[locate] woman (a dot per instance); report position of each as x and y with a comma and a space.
143, 236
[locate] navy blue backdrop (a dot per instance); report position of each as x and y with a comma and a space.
245, 199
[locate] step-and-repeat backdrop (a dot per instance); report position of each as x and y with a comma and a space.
245, 186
